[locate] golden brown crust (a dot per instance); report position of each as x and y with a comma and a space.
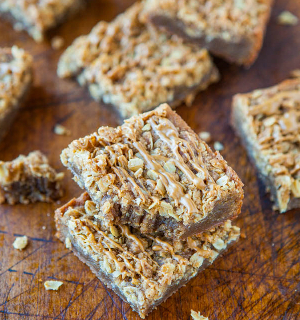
155, 173
15, 79
233, 30
130, 65
29, 179
143, 270
268, 122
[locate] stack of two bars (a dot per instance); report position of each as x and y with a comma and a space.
157, 210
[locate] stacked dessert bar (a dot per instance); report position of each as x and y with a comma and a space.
157, 206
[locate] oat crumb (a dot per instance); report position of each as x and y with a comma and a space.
218, 146
197, 316
61, 130
243, 235
52, 285
20, 243
68, 243
18, 26
205, 136
287, 18
295, 73
57, 42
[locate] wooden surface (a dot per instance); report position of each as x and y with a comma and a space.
257, 279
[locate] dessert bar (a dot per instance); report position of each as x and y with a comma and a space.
143, 270
38, 16
233, 30
156, 174
134, 67
268, 122
29, 179
15, 79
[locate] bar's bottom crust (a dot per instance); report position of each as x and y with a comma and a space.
174, 282
7, 118
182, 94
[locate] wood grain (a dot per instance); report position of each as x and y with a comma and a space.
259, 278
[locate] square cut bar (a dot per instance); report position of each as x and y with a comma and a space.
29, 179
231, 29
268, 122
38, 16
136, 68
155, 174
143, 270
15, 79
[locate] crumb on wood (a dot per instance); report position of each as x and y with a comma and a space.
44, 227
205, 136
197, 316
295, 73
243, 235
52, 284
57, 42
68, 243
286, 18
218, 146
20, 243
61, 130
18, 26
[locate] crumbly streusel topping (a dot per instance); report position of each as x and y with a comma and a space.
36, 16
150, 165
219, 18
132, 66
142, 267
15, 74
274, 118
27, 177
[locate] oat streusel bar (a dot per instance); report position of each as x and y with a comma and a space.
231, 29
15, 79
268, 121
135, 68
143, 270
29, 179
38, 16
155, 173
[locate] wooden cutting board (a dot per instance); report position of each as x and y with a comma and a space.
259, 278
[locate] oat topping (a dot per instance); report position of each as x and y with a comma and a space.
197, 316
37, 16
271, 119
143, 268
20, 243
287, 18
164, 172
134, 67
15, 78
29, 179
52, 285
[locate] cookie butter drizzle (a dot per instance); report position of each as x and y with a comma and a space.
271, 106
111, 244
168, 133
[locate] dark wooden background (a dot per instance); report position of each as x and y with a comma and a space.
259, 278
